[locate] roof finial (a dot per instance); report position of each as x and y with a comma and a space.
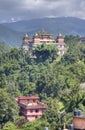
43, 31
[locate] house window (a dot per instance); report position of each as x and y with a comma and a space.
36, 110
31, 111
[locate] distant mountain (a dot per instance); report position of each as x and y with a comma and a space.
9, 36
65, 25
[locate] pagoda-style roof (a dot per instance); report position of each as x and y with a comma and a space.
42, 34
60, 36
30, 102
43, 31
25, 36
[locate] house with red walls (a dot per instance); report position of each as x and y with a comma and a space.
31, 107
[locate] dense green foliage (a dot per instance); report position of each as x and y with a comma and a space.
57, 82
45, 52
35, 125
8, 107
4, 48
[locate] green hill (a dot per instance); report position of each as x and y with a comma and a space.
9, 36
56, 82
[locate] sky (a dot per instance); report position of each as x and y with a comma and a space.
15, 10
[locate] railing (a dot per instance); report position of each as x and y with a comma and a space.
33, 106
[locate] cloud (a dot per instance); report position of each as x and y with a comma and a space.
27, 9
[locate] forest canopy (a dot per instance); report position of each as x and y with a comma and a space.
55, 79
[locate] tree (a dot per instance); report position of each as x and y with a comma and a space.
8, 107
71, 40
53, 112
45, 52
9, 126
75, 53
35, 125
78, 69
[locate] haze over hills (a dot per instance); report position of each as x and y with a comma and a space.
10, 36
12, 33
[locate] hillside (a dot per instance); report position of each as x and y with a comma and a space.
56, 82
66, 25
9, 36
12, 32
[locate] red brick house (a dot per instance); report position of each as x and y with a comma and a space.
79, 123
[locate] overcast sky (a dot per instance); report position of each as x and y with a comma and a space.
13, 10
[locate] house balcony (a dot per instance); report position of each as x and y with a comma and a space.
38, 106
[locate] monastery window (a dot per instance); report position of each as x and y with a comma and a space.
43, 42
62, 46
58, 46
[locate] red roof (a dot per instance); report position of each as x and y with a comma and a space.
28, 97
35, 105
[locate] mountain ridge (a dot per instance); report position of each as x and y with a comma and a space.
9, 36
64, 25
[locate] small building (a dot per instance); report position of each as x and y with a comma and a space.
26, 43
31, 107
78, 122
